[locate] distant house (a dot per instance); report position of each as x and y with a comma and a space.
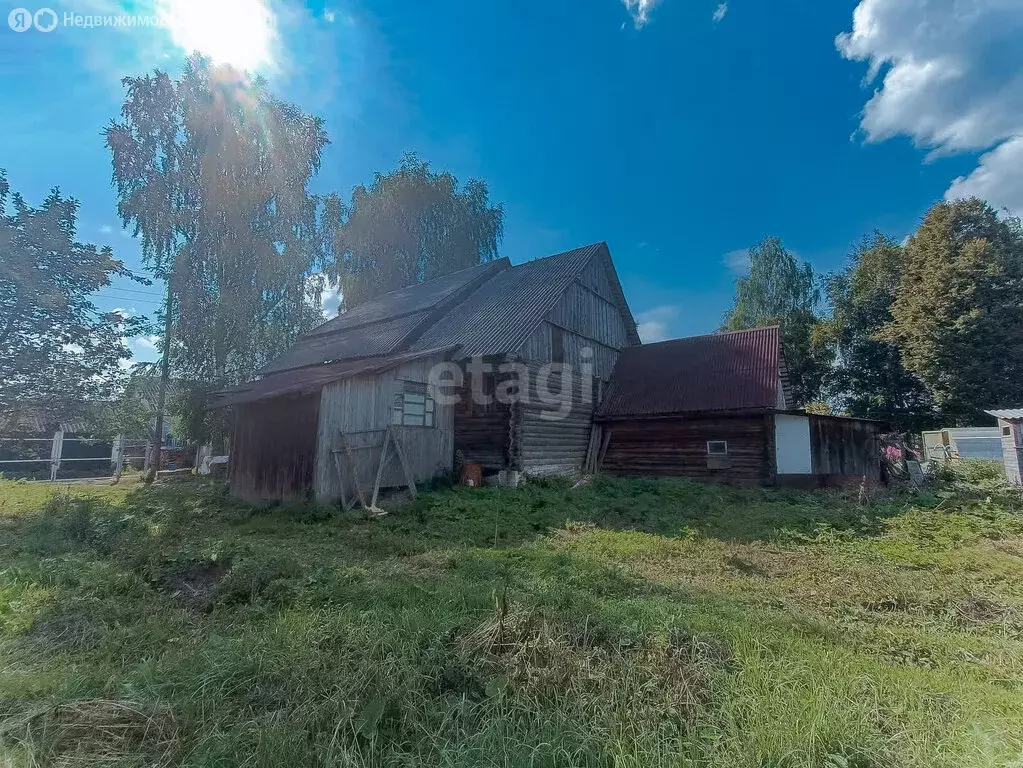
1010, 428
473, 363
717, 408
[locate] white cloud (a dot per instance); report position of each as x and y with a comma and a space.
106, 229
331, 300
654, 324
737, 261
721, 12
640, 10
329, 16
953, 78
329, 294
998, 179
151, 343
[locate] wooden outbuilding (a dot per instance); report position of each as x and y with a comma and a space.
1010, 426
717, 408
498, 365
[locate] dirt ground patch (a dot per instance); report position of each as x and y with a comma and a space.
196, 584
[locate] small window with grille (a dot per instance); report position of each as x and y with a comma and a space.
717, 447
413, 406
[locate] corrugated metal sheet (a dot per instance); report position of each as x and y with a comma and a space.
310, 379
1009, 414
378, 339
499, 316
735, 371
414, 298
487, 310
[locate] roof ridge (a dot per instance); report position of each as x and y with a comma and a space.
714, 335
446, 275
559, 253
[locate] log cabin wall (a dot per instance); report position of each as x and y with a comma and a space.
553, 424
363, 407
482, 431
274, 450
545, 431
678, 446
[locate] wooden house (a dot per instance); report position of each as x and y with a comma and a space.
1010, 426
498, 364
717, 408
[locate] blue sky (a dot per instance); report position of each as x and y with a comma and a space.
679, 131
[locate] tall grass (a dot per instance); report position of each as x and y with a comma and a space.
623, 623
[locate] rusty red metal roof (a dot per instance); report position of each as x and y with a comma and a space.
736, 371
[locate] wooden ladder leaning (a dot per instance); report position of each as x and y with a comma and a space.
346, 453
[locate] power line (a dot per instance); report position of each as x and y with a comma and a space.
132, 299
132, 290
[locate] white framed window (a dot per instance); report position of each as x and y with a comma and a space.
413, 405
717, 447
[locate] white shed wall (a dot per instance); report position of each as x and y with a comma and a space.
792, 444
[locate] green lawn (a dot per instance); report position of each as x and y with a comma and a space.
620, 623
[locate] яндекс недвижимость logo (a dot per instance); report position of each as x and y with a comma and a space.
22, 19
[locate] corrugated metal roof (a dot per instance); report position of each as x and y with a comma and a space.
413, 298
485, 310
734, 371
385, 323
1009, 414
968, 433
377, 339
500, 315
310, 379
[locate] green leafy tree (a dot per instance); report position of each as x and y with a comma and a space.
410, 225
59, 354
211, 171
869, 379
957, 317
780, 290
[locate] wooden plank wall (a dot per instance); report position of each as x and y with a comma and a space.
363, 405
678, 446
1012, 453
845, 447
274, 451
587, 317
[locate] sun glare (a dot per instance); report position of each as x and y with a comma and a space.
236, 32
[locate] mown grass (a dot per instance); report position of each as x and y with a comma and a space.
619, 623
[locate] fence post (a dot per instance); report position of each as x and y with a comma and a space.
117, 456
56, 450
